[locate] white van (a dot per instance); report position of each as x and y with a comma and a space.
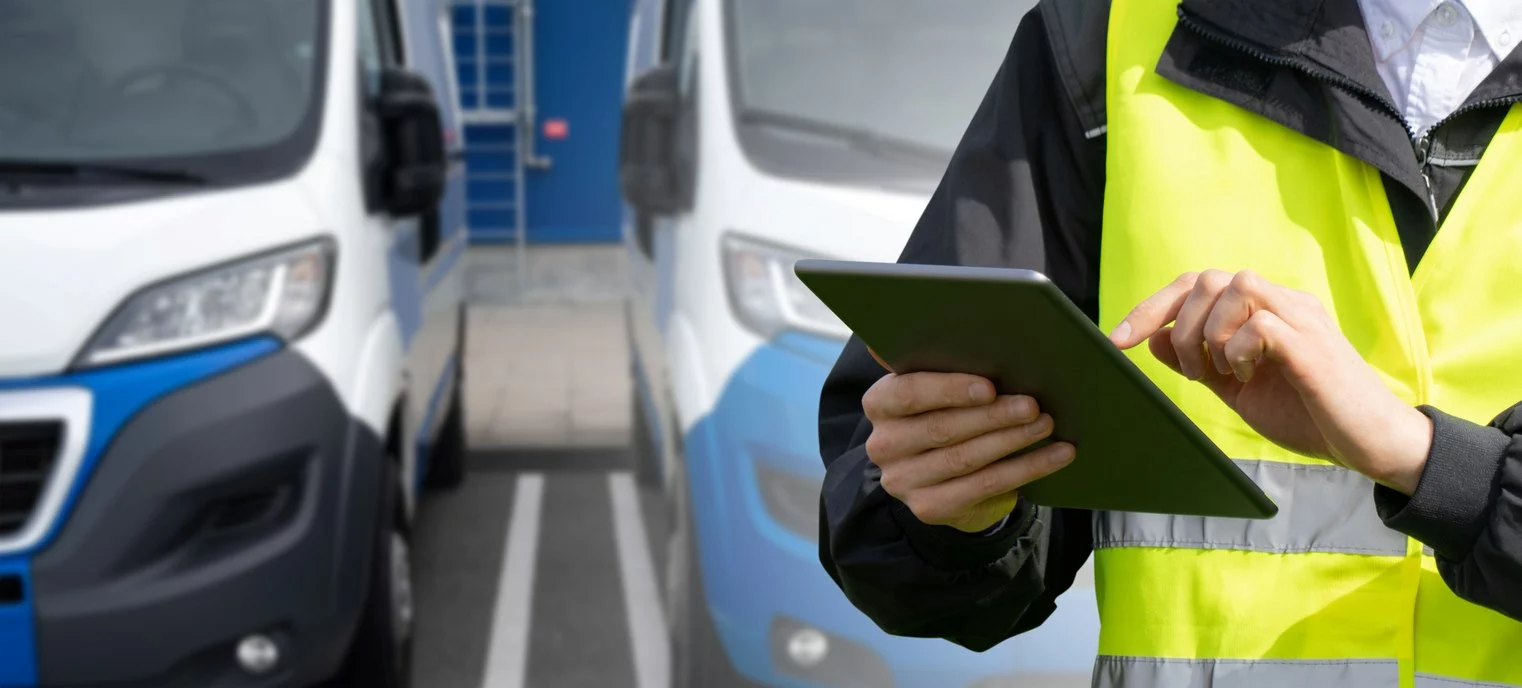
230, 336
758, 132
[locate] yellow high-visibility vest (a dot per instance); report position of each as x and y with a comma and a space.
1322, 595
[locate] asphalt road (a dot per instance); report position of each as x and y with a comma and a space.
507, 598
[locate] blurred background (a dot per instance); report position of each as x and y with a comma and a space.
241, 285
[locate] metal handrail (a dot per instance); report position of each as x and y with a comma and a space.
527, 95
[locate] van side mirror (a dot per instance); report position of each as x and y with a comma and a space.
649, 170
416, 162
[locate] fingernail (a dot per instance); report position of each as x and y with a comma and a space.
1042, 425
1063, 454
1020, 408
1122, 332
1242, 369
979, 391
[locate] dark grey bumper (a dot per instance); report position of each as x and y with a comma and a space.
245, 503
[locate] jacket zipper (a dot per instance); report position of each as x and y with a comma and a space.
1423, 147
1424, 144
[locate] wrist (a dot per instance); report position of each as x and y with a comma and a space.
1409, 445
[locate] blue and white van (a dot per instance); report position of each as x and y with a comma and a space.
758, 132
230, 336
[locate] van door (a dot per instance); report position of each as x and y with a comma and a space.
433, 360
656, 34
426, 283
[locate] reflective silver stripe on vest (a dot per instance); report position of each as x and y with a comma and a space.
1148, 672
1433, 681
1321, 509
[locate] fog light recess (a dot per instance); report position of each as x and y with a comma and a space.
807, 647
258, 654
802, 650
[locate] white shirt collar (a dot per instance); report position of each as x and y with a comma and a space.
1499, 21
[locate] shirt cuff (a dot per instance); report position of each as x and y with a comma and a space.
1453, 496
949, 549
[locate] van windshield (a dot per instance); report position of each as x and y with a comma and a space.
214, 88
888, 78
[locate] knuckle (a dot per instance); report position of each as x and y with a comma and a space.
1248, 282
1178, 337
990, 483
939, 430
879, 447
872, 401
1212, 280
957, 459
1217, 338
926, 510
998, 413
1260, 320
903, 395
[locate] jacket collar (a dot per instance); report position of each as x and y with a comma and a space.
1329, 33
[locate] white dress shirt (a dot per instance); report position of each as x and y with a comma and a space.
1433, 53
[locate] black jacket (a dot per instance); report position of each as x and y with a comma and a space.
1026, 188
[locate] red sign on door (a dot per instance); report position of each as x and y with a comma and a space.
556, 129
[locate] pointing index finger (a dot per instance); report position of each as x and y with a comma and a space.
1154, 313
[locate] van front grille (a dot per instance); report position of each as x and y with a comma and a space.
28, 452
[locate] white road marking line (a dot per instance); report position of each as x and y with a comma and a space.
507, 651
648, 638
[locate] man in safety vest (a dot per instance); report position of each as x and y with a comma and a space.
1310, 211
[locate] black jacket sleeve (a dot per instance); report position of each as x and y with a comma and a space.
1468, 508
1024, 189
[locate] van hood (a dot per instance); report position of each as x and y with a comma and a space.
62, 272
846, 223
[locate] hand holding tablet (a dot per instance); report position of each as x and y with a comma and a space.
1135, 451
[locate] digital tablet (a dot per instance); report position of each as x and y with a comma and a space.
1136, 450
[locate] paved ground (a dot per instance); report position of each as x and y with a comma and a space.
539, 571
520, 572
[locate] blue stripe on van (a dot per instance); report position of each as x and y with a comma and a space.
18, 645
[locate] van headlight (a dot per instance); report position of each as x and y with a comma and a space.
281, 293
767, 297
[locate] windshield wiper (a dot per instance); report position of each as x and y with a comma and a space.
14, 171
862, 139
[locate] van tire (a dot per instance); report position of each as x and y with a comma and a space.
380, 655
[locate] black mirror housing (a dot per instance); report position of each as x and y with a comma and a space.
649, 173
416, 161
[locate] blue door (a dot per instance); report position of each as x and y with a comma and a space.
579, 54
541, 87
